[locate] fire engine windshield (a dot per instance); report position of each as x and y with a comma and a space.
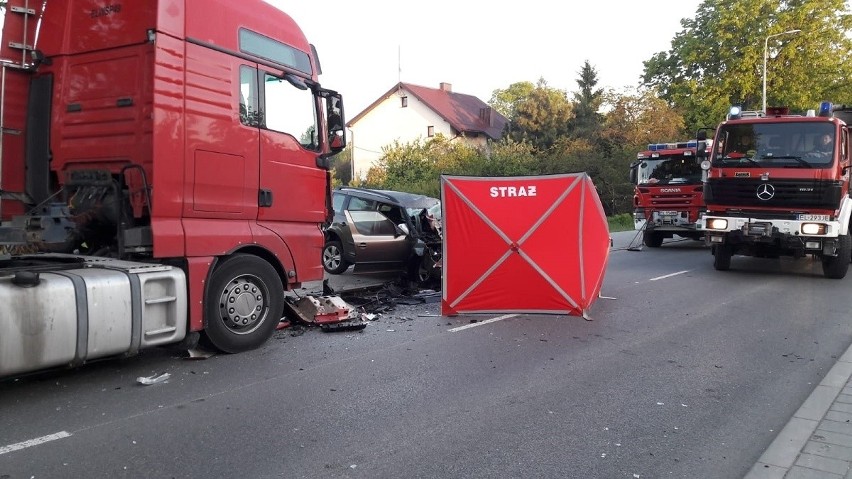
775, 145
669, 170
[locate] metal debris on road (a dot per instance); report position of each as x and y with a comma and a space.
155, 379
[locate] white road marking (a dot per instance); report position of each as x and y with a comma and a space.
480, 323
34, 442
669, 275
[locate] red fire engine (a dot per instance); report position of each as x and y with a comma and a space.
164, 171
668, 196
778, 184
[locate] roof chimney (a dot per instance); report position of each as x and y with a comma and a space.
485, 114
447, 87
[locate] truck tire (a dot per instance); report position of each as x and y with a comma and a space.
652, 239
835, 267
332, 257
244, 304
722, 257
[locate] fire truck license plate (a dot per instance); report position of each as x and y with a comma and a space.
813, 218
668, 213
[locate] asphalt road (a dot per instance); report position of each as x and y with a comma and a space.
687, 373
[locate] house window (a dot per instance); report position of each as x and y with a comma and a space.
404, 101
430, 131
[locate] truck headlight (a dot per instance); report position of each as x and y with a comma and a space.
717, 224
813, 229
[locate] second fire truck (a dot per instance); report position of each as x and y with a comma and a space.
668, 195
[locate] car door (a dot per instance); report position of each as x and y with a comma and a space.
379, 245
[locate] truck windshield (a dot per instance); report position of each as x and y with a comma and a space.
669, 170
775, 145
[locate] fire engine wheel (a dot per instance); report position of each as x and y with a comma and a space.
332, 257
722, 257
245, 301
835, 267
652, 239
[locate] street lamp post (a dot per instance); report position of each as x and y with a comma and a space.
765, 54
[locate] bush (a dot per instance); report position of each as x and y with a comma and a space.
622, 222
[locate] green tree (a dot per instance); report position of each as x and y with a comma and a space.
341, 167
586, 105
717, 59
505, 101
542, 117
637, 118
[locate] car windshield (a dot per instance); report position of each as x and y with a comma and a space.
776, 145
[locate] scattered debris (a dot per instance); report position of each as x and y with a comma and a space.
198, 353
423, 297
351, 325
155, 379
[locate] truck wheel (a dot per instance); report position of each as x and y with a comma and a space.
332, 257
722, 257
652, 239
835, 267
244, 304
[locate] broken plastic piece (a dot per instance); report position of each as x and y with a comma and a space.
320, 310
351, 325
147, 381
198, 353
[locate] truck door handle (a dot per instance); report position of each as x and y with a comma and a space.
362, 245
264, 198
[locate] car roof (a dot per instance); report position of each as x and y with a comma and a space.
399, 198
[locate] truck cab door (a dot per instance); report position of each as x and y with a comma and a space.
293, 189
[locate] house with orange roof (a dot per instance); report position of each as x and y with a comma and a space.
409, 112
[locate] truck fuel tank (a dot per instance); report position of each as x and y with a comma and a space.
59, 313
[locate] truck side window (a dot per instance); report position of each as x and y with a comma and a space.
290, 110
248, 97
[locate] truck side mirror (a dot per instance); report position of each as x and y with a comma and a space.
701, 149
336, 127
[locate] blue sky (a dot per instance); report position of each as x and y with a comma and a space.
481, 46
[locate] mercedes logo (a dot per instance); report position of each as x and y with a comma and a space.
765, 192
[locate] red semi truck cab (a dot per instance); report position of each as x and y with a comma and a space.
778, 185
668, 194
168, 161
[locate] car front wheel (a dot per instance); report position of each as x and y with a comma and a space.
332, 257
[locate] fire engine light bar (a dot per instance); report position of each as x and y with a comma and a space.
813, 229
735, 112
825, 109
718, 224
672, 146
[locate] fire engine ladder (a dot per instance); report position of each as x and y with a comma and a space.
18, 20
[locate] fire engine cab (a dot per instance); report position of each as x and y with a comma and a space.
668, 194
778, 184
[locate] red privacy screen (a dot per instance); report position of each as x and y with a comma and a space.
536, 244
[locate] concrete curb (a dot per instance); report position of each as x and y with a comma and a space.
782, 454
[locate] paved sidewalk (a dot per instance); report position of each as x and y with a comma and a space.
817, 441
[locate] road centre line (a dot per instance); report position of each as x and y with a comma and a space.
480, 323
669, 275
34, 442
